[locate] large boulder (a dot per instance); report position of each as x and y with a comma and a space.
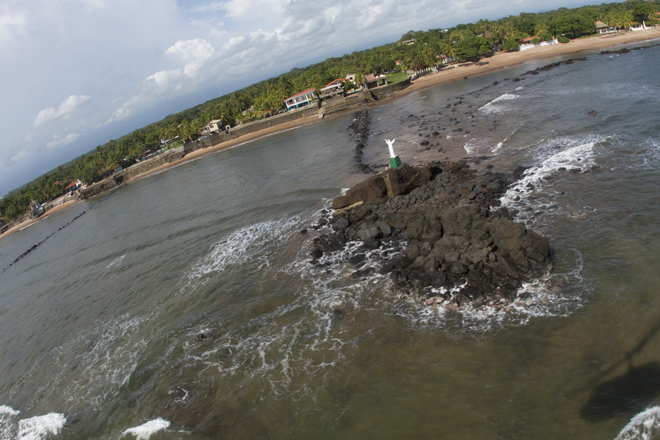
391, 183
372, 190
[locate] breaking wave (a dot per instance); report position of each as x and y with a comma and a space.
40, 427
644, 426
573, 155
146, 430
257, 244
493, 108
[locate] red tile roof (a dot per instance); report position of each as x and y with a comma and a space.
72, 184
342, 80
304, 92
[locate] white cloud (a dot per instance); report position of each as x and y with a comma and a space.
10, 25
70, 105
23, 154
233, 42
191, 49
58, 141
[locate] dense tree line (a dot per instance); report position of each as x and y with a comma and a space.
460, 43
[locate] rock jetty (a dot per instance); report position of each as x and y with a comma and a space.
448, 241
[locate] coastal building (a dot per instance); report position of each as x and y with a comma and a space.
526, 43
71, 187
372, 81
351, 77
36, 209
634, 26
409, 42
332, 89
214, 126
603, 28
302, 99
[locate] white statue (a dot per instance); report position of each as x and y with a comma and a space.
389, 144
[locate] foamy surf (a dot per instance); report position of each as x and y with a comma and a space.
256, 243
40, 427
4, 409
556, 155
644, 426
146, 430
115, 261
492, 106
541, 298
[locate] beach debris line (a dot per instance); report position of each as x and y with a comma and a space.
462, 250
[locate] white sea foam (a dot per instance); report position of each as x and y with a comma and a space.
115, 261
39, 427
644, 426
145, 431
492, 106
299, 342
256, 243
4, 409
470, 147
8, 426
94, 365
501, 144
570, 154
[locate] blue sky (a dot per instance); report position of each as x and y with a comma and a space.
77, 73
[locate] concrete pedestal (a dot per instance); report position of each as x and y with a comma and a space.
395, 162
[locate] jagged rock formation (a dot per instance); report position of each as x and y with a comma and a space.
461, 250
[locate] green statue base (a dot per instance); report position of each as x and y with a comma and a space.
395, 162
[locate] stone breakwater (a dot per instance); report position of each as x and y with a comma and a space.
447, 241
359, 132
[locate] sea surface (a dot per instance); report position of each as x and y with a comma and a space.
183, 306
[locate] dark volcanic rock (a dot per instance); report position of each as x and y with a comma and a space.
388, 184
456, 237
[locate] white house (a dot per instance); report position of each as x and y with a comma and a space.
214, 126
336, 87
302, 99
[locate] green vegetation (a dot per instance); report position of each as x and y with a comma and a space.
394, 78
510, 45
462, 42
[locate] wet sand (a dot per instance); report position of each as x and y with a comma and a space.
500, 61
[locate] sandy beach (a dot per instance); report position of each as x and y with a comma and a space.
500, 61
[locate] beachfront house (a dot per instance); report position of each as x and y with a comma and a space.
71, 187
332, 89
602, 28
372, 81
634, 26
526, 43
214, 126
299, 100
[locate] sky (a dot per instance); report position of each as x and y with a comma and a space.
77, 73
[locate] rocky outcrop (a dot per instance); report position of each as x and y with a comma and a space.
461, 249
388, 184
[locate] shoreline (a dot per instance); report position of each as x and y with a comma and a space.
496, 63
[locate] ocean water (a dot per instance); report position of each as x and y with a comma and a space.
183, 306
